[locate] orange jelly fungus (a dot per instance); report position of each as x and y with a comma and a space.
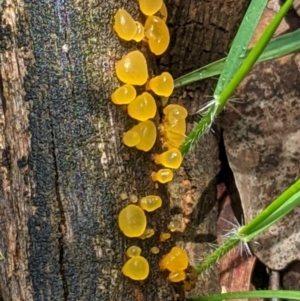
124, 95
171, 158
136, 268
143, 107
150, 7
132, 69
162, 85
176, 260
177, 276
133, 251
140, 32
131, 138
147, 132
163, 176
132, 221
157, 33
150, 202
124, 25
164, 236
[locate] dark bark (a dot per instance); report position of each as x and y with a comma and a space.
63, 164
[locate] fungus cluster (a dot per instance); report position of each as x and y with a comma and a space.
137, 266
174, 126
132, 71
132, 222
176, 262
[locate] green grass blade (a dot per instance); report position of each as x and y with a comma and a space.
281, 206
217, 254
240, 43
274, 217
220, 100
288, 197
278, 47
252, 294
253, 56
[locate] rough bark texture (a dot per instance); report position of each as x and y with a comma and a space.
63, 165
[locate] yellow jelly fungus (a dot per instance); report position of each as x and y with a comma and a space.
133, 251
132, 221
140, 32
147, 234
174, 226
163, 12
131, 138
143, 107
157, 33
147, 132
124, 95
187, 286
176, 260
176, 111
124, 25
133, 198
177, 125
173, 139
171, 158
164, 236
132, 69
163, 175
149, 8
136, 268
154, 250
177, 276
150, 202
162, 85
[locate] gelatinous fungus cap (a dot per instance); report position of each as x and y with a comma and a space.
133, 251
147, 132
157, 33
143, 107
175, 125
132, 69
175, 111
124, 95
173, 139
171, 158
131, 138
132, 221
136, 268
163, 12
125, 25
147, 234
140, 32
163, 175
150, 202
164, 236
162, 85
149, 8
177, 276
176, 260
154, 250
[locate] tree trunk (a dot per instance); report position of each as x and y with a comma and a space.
64, 167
